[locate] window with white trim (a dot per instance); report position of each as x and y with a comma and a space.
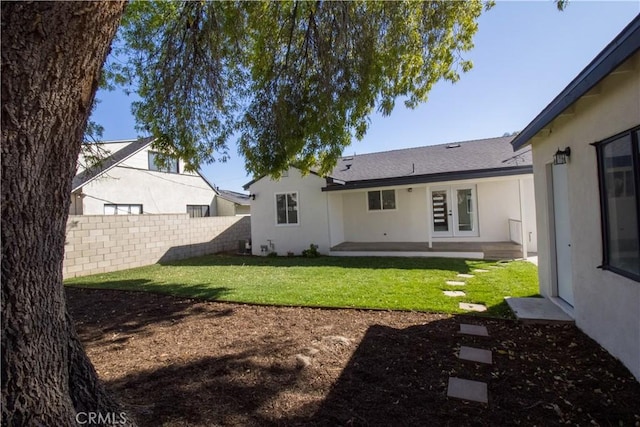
286, 208
162, 164
113, 209
619, 176
381, 200
198, 211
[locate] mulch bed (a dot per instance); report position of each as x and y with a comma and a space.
185, 362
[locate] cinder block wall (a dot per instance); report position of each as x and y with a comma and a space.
104, 243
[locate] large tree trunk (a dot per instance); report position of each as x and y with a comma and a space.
52, 54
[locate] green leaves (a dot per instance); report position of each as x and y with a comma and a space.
294, 81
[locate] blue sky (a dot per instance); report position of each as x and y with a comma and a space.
525, 54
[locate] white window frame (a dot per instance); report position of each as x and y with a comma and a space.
207, 212
297, 209
382, 208
609, 261
168, 168
122, 207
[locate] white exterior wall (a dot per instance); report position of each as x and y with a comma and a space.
225, 207
312, 227
336, 217
498, 200
605, 303
330, 218
157, 192
407, 223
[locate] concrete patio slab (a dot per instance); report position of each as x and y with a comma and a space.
472, 307
466, 276
475, 391
455, 283
537, 310
476, 355
454, 293
478, 330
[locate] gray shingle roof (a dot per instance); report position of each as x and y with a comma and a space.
478, 158
453, 160
124, 153
232, 196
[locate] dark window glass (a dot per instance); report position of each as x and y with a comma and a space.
287, 208
171, 165
198, 211
374, 201
381, 200
388, 199
619, 181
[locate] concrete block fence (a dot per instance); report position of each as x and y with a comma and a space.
104, 243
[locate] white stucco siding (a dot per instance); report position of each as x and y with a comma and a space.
498, 200
158, 192
140, 160
225, 207
336, 218
312, 226
605, 304
406, 223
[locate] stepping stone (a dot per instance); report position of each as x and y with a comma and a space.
475, 391
480, 270
472, 307
466, 276
454, 293
476, 355
478, 330
455, 283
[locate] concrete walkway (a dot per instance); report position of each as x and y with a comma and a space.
537, 310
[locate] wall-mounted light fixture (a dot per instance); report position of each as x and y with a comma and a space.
562, 156
410, 189
252, 196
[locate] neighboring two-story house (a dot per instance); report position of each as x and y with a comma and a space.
128, 180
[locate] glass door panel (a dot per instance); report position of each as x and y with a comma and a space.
465, 209
465, 213
440, 209
454, 211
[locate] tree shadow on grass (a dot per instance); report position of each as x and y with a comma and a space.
455, 265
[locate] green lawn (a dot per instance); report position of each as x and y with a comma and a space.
378, 283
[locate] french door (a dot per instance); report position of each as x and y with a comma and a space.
454, 211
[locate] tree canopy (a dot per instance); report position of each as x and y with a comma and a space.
293, 81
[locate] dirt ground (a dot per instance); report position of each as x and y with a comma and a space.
184, 362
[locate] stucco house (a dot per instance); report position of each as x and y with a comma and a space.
586, 163
466, 199
127, 180
232, 203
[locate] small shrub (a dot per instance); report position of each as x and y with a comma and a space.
272, 254
312, 252
290, 254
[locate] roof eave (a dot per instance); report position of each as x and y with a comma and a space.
425, 179
614, 54
145, 143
